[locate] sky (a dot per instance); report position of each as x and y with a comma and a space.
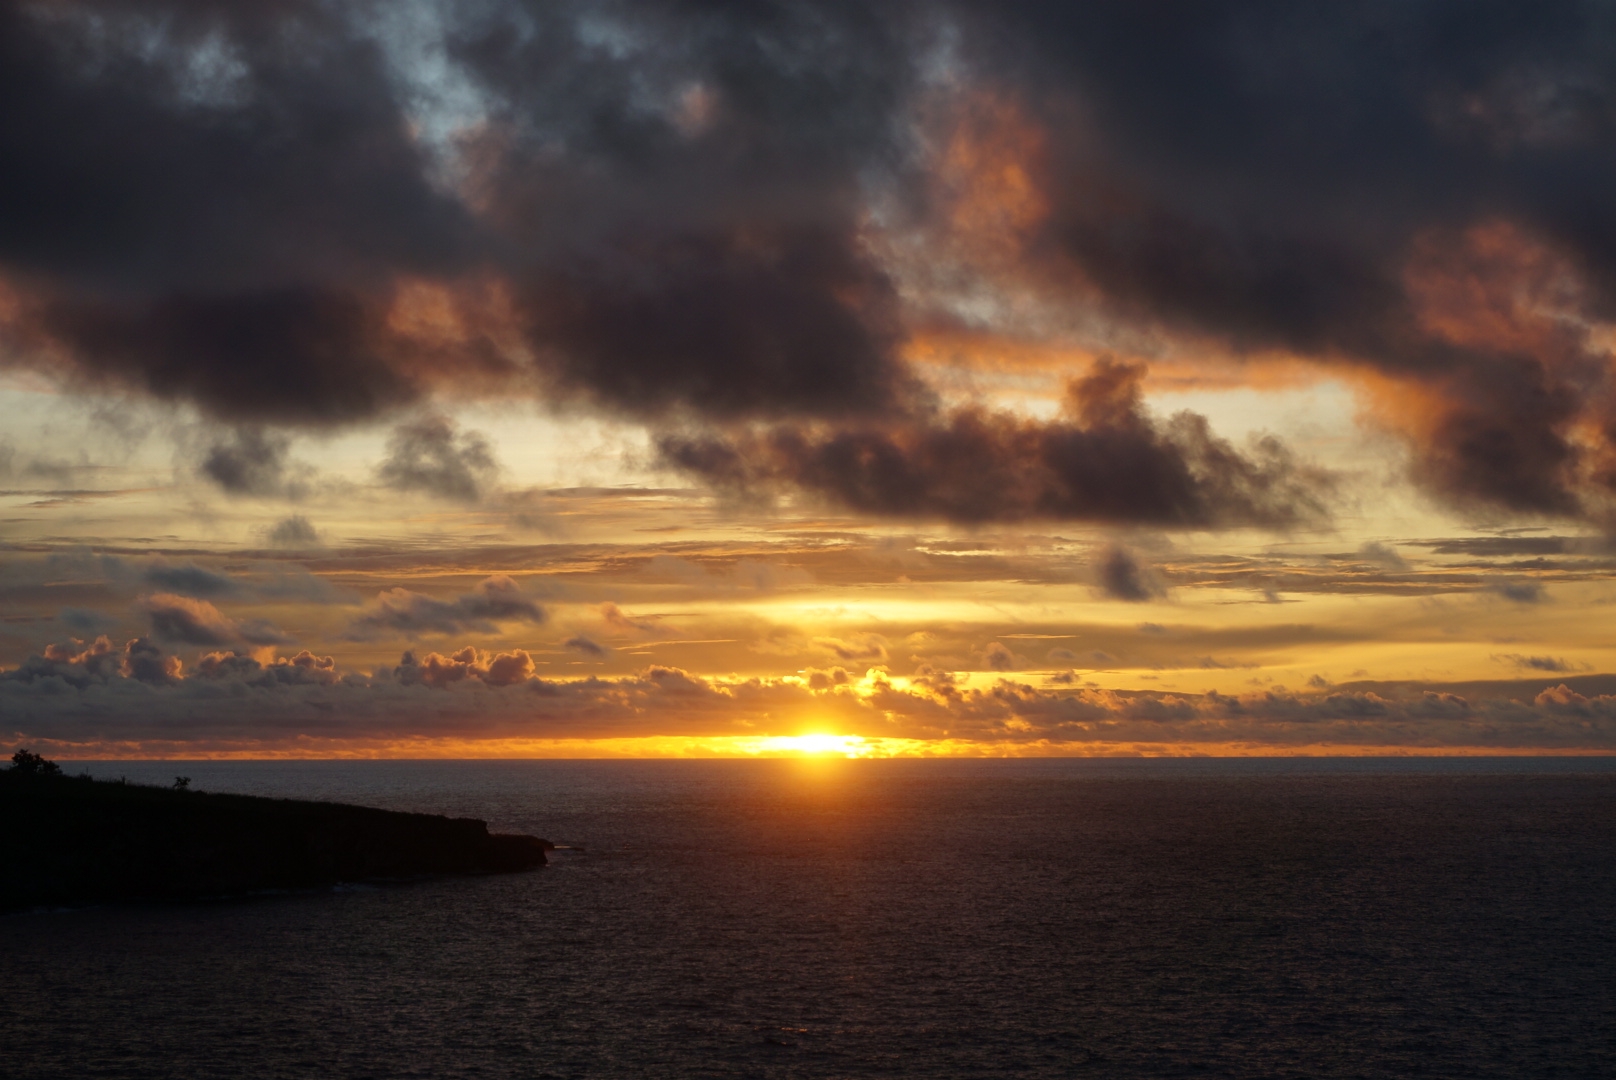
478, 378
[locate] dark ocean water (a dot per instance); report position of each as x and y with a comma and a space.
934, 919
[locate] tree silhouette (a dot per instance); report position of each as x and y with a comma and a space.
31, 764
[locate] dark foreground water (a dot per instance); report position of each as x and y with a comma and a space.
946, 919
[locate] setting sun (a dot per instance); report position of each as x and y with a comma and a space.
816, 744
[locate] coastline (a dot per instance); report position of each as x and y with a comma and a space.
71, 841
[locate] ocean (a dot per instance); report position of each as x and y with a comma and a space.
1052, 918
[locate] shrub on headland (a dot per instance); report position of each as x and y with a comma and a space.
27, 763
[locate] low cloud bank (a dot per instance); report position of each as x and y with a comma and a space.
101, 695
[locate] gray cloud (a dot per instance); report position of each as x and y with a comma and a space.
587, 646
868, 648
1537, 663
401, 612
303, 669
430, 456
621, 622
469, 666
183, 620
295, 532
999, 658
1494, 546
15, 466
1382, 555
251, 461
147, 663
188, 578
85, 621
1105, 461
1519, 592
1122, 577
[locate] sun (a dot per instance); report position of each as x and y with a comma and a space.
816, 744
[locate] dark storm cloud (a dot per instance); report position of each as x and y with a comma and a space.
756, 322
127, 172
295, 354
668, 209
670, 195
1395, 184
708, 194
1105, 461
430, 456
200, 208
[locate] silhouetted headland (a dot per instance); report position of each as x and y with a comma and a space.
76, 840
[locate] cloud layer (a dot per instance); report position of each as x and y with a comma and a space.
732, 215
97, 698
906, 286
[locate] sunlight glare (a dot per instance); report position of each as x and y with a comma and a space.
817, 744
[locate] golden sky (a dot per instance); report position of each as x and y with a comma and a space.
842, 381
